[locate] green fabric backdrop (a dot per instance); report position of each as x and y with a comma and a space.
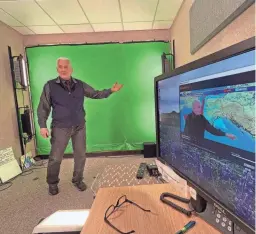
126, 119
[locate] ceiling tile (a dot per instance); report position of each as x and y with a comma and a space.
27, 12
23, 30
108, 27
138, 26
64, 12
138, 10
45, 29
8, 19
168, 9
101, 11
76, 28
162, 24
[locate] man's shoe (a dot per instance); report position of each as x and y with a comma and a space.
53, 189
80, 185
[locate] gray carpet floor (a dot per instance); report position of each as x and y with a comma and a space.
27, 201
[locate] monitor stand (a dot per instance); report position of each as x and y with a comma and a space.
214, 216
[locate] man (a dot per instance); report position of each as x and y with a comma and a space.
65, 95
196, 124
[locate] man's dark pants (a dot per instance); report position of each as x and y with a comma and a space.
59, 140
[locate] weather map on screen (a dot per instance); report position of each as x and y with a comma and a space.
227, 113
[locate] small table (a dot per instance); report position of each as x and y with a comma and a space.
162, 218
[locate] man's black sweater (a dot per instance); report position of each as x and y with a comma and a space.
197, 124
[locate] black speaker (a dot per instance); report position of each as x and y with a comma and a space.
149, 149
26, 123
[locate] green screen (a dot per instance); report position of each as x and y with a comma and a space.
124, 120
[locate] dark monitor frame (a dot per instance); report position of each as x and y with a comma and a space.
228, 52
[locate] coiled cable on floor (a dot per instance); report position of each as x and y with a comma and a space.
3, 184
24, 173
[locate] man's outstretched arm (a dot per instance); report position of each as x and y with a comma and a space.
90, 92
100, 94
211, 129
44, 109
218, 132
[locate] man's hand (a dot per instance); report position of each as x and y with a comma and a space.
44, 132
230, 136
116, 87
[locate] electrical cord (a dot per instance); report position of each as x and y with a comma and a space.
31, 170
35, 167
23, 166
24, 172
41, 164
9, 183
175, 206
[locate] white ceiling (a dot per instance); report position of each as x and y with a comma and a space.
73, 16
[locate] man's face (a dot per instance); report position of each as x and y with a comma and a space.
64, 69
197, 108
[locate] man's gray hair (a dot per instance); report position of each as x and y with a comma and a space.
62, 58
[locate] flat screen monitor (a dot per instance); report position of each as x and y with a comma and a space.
205, 120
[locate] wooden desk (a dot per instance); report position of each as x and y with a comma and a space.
163, 219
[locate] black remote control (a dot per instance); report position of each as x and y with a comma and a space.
141, 170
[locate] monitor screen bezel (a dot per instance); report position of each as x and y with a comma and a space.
226, 53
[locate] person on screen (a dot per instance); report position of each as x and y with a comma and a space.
65, 95
196, 124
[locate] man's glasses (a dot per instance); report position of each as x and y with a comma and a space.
119, 203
